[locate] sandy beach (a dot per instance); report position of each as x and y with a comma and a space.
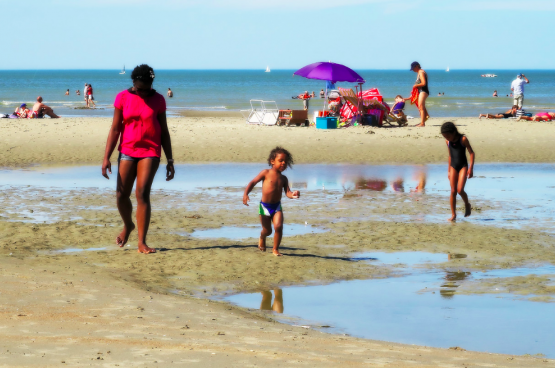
113, 307
226, 139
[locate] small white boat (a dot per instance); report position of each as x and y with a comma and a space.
447, 70
267, 69
489, 75
123, 70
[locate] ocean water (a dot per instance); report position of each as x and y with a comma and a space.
466, 92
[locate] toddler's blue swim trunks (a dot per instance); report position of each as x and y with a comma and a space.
269, 209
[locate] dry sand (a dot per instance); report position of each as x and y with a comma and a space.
227, 139
113, 307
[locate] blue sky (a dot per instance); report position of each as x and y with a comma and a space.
285, 34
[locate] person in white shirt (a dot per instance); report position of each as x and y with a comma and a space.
518, 89
85, 89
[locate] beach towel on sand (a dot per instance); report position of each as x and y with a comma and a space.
414, 96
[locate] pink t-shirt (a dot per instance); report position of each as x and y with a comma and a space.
141, 135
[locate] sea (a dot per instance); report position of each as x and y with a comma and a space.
464, 93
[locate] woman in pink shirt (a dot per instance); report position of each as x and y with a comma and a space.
140, 123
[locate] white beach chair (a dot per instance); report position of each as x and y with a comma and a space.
261, 112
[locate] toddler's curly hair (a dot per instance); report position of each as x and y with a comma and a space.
288, 156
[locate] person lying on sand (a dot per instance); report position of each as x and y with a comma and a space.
540, 116
509, 114
273, 183
40, 109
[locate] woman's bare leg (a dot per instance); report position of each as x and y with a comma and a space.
127, 172
146, 170
422, 96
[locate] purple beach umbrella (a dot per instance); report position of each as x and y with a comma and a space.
330, 72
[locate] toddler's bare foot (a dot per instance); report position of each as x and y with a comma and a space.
277, 253
467, 209
453, 218
262, 244
143, 248
122, 238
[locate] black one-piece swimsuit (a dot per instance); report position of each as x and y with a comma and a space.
457, 150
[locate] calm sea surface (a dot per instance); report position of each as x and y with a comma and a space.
466, 92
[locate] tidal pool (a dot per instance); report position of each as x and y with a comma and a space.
422, 308
250, 231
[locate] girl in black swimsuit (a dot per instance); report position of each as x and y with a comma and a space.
424, 91
459, 169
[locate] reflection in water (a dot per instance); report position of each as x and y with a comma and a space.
371, 184
266, 303
452, 282
420, 176
398, 185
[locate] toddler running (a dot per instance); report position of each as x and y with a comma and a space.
273, 183
459, 169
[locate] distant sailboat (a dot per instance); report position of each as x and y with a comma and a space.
267, 69
123, 70
447, 69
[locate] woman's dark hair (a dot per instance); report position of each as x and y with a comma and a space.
449, 128
143, 73
288, 156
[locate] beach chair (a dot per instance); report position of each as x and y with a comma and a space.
261, 113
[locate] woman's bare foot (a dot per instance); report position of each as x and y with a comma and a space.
143, 248
467, 209
122, 238
262, 244
453, 218
277, 253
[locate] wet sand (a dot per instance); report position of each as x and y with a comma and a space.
228, 139
114, 306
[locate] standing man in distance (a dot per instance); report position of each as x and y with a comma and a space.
518, 89
85, 89
170, 93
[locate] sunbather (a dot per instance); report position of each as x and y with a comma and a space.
22, 111
396, 113
40, 109
509, 114
540, 116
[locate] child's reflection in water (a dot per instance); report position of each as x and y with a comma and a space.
266, 303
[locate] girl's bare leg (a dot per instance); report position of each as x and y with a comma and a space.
460, 190
278, 229
146, 170
127, 172
422, 107
453, 179
266, 223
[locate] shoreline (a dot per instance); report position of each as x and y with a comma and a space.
71, 141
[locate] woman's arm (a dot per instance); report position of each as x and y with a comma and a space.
167, 145
257, 179
422, 76
113, 136
466, 143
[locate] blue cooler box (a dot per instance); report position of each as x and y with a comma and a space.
326, 123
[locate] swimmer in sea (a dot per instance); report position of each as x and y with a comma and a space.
458, 170
273, 184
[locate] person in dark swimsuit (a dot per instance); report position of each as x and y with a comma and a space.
459, 170
502, 115
424, 91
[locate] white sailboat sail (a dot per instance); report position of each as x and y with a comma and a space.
123, 70
267, 69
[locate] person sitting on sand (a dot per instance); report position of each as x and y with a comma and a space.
140, 124
40, 109
273, 184
22, 111
459, 169
540, 116
170, 93
509, 114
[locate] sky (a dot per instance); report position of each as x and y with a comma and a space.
283, 34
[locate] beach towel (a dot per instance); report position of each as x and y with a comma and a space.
414, 96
